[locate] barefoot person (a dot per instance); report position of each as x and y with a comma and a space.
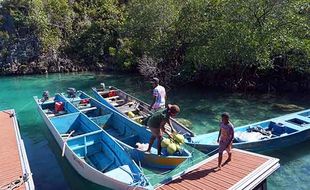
225, 138
157, 123
159, 95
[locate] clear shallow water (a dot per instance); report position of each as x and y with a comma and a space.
201, 106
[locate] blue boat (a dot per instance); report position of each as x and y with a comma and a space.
266, 135
127, 133
125, 103
92, 152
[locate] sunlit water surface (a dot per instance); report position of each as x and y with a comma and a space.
200, 106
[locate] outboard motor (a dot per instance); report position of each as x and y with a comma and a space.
103, 86
45, 96
71, 92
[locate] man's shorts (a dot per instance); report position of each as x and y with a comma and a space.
156, 132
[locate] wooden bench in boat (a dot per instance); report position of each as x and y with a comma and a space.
138, 117
66, 135
127, 109
112, 97
117, 103
49, 115
88, 109
102, 92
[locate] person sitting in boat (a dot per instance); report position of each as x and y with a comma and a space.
225, 138
159, 95
157, 123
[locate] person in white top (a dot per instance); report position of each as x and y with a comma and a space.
159, 95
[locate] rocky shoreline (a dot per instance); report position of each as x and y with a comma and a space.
41, 67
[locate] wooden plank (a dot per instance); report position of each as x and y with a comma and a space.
200, 186
178, 186
188, 185
10, 162
88, 109
112, 97
241, 166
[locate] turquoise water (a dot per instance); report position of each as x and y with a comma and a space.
201, 106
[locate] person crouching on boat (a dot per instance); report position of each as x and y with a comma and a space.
159, 95
157, 123
225, 138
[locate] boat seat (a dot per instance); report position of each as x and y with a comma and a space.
138, 117
83, 106
88, 109
49, 115
64, 136
115, 104
111, 98
121, 100
102, 92
127, 109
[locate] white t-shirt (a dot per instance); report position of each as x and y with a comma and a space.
160, 93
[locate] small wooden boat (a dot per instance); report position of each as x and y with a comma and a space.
92, 152
129, 106
128, 133
261, 136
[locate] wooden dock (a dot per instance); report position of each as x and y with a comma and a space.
246, 171
13, 158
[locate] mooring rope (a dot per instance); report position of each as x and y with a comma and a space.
9, 113
16, 183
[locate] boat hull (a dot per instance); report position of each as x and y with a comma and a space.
294, 134
81, 167
122, 122
176, 125
260, 146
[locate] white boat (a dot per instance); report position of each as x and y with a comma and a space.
91, 151
125, 103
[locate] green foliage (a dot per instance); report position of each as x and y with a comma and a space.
97, 25
225, 37
151, 25
205, 40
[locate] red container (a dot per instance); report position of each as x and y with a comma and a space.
59, 106
112, 93
84, 101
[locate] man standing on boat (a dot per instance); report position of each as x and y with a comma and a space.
159, 95
157, 123
225, 138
